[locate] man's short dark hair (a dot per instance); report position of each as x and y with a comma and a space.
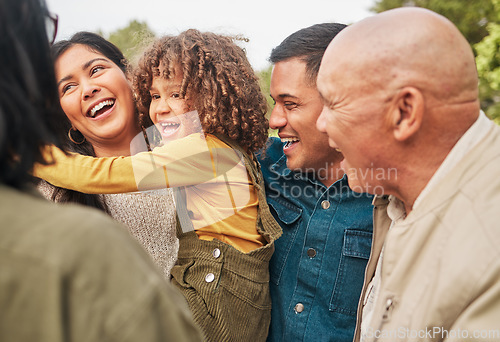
309, 45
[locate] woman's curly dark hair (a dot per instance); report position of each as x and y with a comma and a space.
218, 81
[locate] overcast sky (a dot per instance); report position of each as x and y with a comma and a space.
265, 22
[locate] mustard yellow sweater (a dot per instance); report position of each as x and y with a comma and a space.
220, 198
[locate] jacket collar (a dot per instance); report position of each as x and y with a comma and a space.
280, 167
486, 151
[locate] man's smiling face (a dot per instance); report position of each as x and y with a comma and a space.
298, 105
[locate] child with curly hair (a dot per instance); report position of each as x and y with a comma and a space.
208, 114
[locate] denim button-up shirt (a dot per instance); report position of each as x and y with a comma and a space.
318, 266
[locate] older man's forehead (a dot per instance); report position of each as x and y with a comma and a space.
327, 72
326, 90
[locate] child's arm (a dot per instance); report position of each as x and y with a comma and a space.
86, 174
184, 162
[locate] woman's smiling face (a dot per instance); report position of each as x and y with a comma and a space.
95, 95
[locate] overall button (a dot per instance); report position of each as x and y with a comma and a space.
209, 278
311, 252
299, 307
216, 253
325, 204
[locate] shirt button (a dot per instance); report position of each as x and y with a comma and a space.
209, 278
299, 307
311, 252
325, 204
216, 253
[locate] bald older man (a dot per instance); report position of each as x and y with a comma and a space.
401, 103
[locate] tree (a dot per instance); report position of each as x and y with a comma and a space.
478, 21
132, 39
265, 83
488, 67
471, 17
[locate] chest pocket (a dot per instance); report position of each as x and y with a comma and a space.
347, 289
289, 217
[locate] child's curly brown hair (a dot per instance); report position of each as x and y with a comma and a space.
218, 81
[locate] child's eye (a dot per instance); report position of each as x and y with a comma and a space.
155, 96
176, 95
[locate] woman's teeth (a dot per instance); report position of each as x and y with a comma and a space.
100, 106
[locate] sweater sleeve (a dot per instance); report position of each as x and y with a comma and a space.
184, 162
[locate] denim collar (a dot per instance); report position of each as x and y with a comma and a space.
280, 168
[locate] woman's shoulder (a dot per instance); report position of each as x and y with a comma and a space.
47, 190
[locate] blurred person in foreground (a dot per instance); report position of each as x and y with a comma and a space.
318, 266
67, 273
434, 271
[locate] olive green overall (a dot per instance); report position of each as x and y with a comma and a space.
228, 290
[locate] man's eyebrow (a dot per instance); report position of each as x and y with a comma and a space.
85, 66
287, 95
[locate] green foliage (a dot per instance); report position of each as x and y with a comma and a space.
471, 17
490, 100
265, 83
488, 67
488, 58
132, 39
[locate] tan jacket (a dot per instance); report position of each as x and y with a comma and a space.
440, 275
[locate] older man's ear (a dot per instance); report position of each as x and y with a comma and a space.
406, 113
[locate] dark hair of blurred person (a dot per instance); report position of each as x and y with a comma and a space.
30, 114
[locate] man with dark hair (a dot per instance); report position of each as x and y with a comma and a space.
318, 266
66, 273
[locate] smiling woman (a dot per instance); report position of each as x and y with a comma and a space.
95, 94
